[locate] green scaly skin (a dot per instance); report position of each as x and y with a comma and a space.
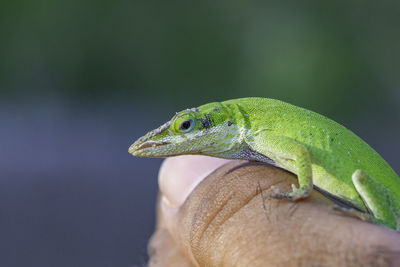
318, 150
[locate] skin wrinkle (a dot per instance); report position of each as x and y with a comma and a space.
241, 165
235, 211
212, 219
253, 163
274, 244
196, 228
233, 258
292, 209
212, 226
196, 241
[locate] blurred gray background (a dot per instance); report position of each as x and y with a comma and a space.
81, 80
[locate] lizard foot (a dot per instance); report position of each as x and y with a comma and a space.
352, 213
296, 194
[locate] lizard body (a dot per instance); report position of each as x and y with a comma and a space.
318, 150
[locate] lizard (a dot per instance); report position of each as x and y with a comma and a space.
321, 152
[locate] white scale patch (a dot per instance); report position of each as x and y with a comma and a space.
224, 140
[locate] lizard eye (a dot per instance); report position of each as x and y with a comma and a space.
186, 125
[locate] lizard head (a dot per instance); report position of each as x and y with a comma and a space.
209, 129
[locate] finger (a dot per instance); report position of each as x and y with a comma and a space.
225, 221
164, 252
175, 186
177, 178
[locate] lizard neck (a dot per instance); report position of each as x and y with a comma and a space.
230, 143
223, 143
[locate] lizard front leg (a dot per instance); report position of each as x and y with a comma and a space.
289, 155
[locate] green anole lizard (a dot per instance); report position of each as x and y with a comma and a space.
321, 152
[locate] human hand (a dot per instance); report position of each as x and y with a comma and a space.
226, 221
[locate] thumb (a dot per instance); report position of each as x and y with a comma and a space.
226, 221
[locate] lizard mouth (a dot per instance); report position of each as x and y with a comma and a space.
134, 148
152, 144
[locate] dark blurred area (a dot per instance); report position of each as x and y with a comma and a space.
81, 80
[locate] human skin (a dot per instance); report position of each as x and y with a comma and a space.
213, 212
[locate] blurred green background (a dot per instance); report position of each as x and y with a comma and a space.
81, 80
